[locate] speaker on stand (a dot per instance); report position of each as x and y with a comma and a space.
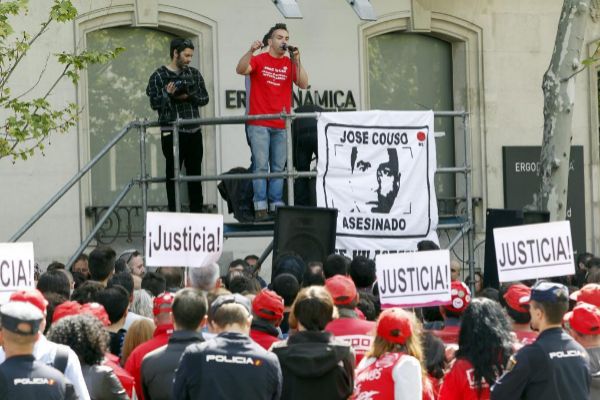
307, 231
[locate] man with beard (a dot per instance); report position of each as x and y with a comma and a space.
177, 91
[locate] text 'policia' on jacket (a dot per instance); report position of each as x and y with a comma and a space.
230, 366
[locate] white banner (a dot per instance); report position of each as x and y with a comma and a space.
534, 251
414, 279
183, 240
377, 169
16, 268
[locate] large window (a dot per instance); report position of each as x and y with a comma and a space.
414, 72
117, 96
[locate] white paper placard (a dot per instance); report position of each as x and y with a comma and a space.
414, 279
534, 251
182, 239
377, 168
17, 268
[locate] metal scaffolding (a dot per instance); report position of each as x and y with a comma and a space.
463, 224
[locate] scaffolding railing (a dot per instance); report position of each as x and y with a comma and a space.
464, 226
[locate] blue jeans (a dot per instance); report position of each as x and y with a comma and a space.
269, 149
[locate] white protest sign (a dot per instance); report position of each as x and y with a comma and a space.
181, 239
414, 279
377, 168
16, 268
534, 251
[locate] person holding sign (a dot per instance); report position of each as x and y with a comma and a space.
554, 366
518, 312
393, 367
485, 344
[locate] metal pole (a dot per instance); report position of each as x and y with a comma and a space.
176, 166
469, 195
290, 160
99, 224
70, 184
143, 181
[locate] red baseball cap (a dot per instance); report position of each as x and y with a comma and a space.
460, 297
515, 296
585, 319
32, 296
66, 309
268, 305
341, 288
96, 310
394, 325
590, 294
162, 303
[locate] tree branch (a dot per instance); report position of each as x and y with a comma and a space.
38, 80
20, 57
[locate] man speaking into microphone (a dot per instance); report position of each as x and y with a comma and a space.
271, 76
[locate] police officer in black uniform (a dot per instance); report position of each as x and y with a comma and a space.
21, 376
555, 366
230, 366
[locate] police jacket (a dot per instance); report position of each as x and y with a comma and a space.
23, 378
553, 367
315, 366
230, 366
158, 366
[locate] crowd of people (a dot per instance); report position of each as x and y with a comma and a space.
109, 328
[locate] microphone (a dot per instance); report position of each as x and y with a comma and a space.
289, 48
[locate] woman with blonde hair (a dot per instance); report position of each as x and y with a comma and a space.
139, 332
393, 367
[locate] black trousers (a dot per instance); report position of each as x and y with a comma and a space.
305, 145
190, 155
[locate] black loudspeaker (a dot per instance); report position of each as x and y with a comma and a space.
307, 231
499, 218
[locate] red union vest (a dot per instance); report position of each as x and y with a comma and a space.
376, 382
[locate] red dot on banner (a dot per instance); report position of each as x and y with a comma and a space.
421, 136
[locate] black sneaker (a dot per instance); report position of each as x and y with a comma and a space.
262, 216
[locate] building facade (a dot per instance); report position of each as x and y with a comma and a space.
487, 58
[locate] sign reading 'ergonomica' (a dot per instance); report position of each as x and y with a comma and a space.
534, 251
16, 268
414, 279
180, 239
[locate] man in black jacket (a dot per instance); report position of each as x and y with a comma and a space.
177, 91
230, 366
555, 366
158, 367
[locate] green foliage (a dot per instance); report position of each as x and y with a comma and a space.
29, 120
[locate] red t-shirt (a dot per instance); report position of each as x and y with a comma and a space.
270, 88
162, 333
459, 384
357, 333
